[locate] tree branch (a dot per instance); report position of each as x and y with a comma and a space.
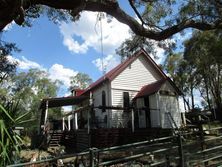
137, 13
112, 8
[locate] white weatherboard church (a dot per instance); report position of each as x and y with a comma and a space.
138, 83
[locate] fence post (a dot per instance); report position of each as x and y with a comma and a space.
202, 141
91, 154
167, 161
180, 150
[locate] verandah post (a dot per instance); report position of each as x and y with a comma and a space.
89, 111
91, 154
46, 111
132, 112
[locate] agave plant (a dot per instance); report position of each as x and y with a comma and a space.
10, 141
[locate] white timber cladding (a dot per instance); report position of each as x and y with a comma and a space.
169, 105
168, 87
119, 117
102, 117
117, 96
154, 110
141, 113
136, 75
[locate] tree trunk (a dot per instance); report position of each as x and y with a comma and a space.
192, 96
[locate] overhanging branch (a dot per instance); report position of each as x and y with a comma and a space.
112, 8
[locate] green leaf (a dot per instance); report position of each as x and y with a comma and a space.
6, 113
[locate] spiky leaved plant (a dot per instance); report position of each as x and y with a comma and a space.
10, 141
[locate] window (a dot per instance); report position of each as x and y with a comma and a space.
126, 100
103, 101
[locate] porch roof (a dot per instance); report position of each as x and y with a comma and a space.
150, 88
62, 101
155, 87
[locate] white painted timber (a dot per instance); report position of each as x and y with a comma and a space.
136, 75
169, 103
97, 100
154, 111
141, 113
120, 118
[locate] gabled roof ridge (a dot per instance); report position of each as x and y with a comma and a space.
119, 68
115, 71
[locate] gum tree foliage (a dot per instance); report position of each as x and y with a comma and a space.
199, 68
23, 93
80, 80
179, 71
7, 68
203, 53
157, 19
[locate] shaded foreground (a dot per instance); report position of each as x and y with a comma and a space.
196, 148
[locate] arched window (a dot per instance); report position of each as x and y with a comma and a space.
103, 101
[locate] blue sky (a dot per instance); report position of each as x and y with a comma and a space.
67, 48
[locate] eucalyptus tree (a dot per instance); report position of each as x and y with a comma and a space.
7, 68
199, 69
24, 91
80, 80
180, 72
156, 20
203, 52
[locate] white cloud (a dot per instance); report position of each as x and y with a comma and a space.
107, 63
74, 46
24, 63
87, 30
56, 71
59, 72
9, 26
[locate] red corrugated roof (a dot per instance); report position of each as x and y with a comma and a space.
147, 89
79, 91
150, 88
155, 87
118, 69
